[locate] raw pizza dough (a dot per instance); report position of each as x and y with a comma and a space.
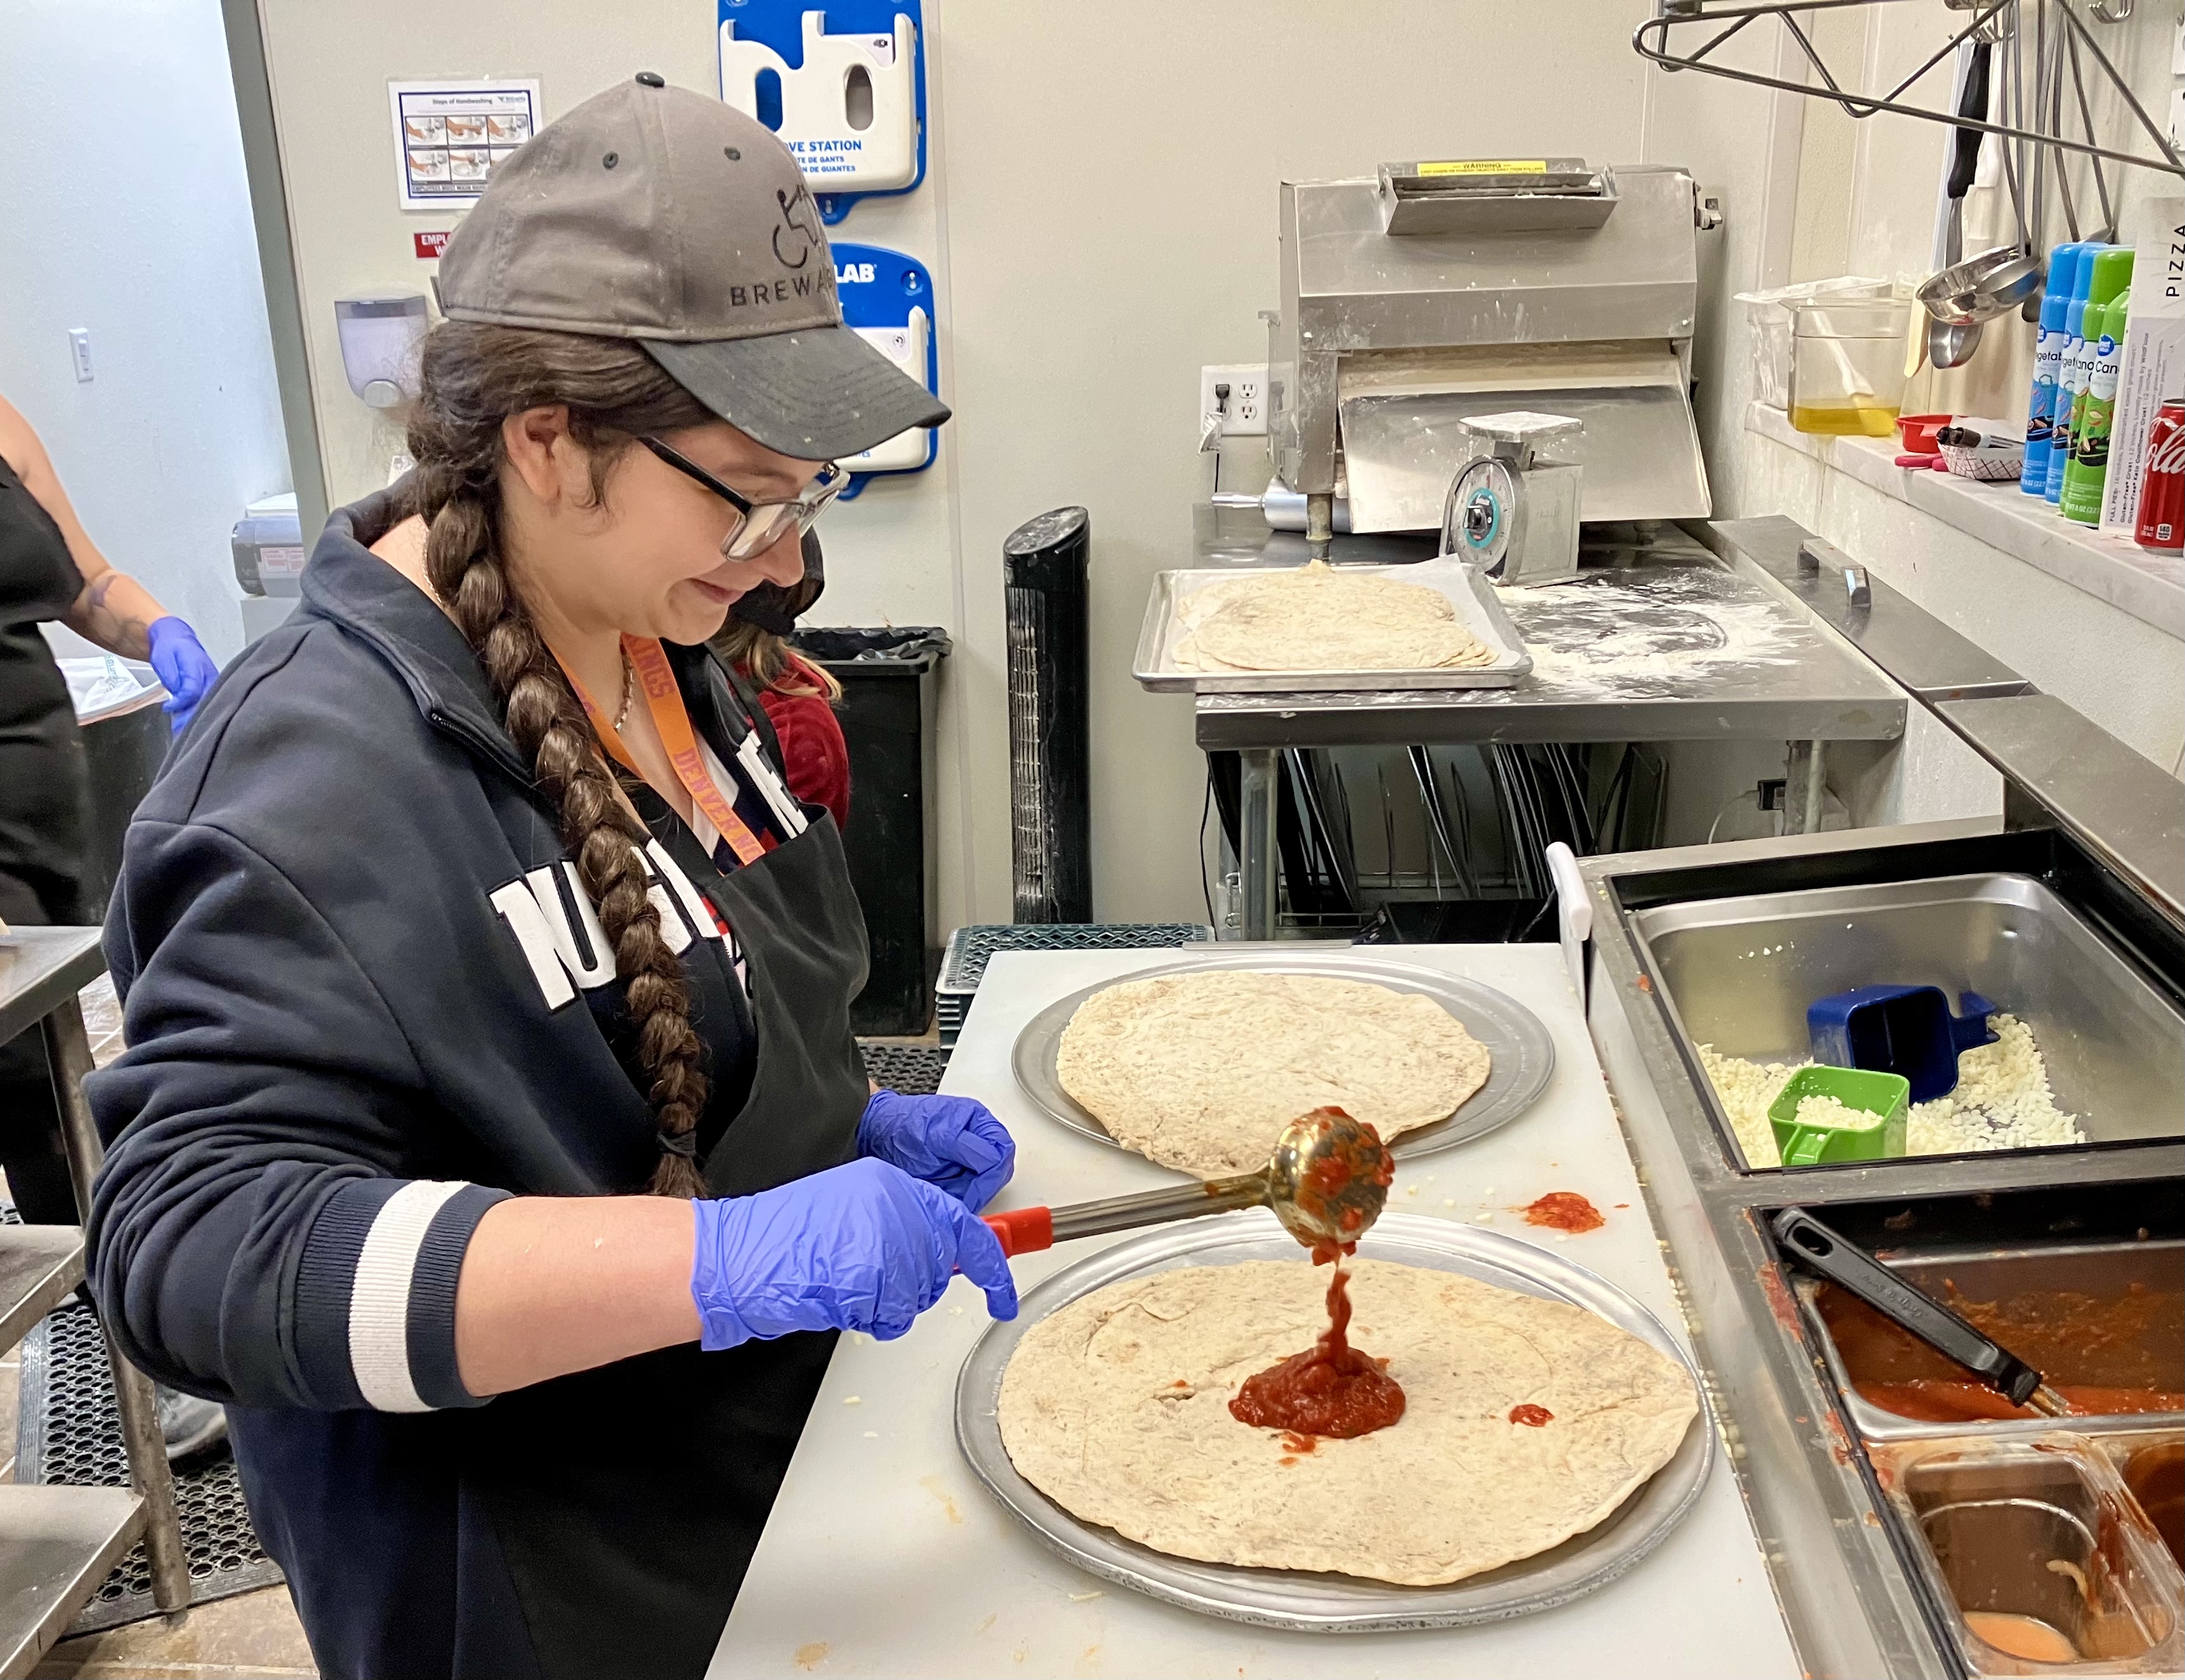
1117, 1408
1201, 1071
1319, 619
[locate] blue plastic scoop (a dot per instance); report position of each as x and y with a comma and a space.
1906, 1029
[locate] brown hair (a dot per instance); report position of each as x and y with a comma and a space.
473, 376
772, 663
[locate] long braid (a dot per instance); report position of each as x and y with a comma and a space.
457, 490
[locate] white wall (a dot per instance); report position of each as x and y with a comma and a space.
1100, 218
125, 211
1748, 145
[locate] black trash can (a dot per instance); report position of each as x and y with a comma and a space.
887, 679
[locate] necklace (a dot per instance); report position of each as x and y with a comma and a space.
629, 691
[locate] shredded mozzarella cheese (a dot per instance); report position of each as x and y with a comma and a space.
2001, 1101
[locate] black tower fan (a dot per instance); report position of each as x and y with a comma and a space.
1043, 564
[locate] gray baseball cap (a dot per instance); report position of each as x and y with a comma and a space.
652, 213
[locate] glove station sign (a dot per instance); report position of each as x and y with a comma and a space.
450, 135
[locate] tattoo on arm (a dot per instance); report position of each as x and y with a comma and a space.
115, 631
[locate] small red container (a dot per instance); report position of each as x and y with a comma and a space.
1919, 429
2162, 489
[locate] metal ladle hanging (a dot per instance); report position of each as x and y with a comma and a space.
1967, 292
1952, 339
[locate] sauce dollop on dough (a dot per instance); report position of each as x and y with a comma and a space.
1329, 1389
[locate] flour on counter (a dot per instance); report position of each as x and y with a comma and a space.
1602, 633
2001, 1101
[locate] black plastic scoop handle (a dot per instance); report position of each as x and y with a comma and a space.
1814, 1246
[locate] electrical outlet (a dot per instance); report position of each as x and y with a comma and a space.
1244, 411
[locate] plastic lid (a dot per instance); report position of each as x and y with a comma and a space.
2111, 274
2082, 269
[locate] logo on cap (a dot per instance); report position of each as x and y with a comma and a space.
800, 227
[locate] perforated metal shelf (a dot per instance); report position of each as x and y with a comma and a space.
69, 1430
963, 964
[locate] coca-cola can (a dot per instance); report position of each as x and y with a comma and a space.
2162, 486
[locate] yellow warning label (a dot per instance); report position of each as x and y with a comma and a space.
1489, 166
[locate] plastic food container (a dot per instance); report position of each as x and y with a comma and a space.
1847, 366
2039, 1556
1769, 312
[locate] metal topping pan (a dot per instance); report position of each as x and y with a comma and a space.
1314, 1603
1477, 609
1521, 1055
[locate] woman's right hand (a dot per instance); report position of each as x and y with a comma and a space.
862, 1247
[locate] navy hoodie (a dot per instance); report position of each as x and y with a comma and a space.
351, 957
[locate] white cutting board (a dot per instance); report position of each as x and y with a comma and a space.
887, 1556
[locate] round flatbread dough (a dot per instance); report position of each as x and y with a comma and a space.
1117, 1409
1202, 1071
1319, 619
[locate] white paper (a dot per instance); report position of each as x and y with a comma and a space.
2153, 366
448, 135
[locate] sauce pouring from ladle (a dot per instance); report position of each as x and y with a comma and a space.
1326, 1182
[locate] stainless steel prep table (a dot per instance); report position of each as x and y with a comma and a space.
1808, 686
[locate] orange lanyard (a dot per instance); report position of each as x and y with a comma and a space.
658, 679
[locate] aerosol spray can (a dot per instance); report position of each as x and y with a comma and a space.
2086, 475
2047, 360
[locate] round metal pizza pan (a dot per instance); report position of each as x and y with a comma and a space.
1520, 1056
1306, 1602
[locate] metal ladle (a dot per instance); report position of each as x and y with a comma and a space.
1328, 1182
1950, 342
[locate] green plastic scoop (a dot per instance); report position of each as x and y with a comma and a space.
1877, 1101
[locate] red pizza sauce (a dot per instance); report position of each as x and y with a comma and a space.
1329, 1389
1564, 1210
1533, 1417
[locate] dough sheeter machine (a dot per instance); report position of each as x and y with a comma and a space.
1496, 363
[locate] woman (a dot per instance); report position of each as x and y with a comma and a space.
797, 697
50, 570
487, 992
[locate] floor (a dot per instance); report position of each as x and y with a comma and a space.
253, 1634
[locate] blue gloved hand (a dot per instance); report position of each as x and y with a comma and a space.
951, 1143
864, 1247
184, 667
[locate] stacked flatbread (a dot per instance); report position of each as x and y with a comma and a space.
1117, 1408
1202, 1071
1319, 619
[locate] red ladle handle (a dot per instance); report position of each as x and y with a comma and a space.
1023, 1231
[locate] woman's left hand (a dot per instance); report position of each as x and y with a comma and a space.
951, 1143
184, 667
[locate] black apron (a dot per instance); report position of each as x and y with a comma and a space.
627, 1553
603, 1521
45, 794
44, 788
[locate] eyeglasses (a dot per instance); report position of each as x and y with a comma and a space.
759, 525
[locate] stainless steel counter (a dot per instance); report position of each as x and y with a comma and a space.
1846, 1594
1660, 641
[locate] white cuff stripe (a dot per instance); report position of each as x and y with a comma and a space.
379, 1298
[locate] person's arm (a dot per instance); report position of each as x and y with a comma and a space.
114, 610
555, 1284
255, 1235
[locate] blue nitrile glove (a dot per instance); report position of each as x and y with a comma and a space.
184, 667
951, 1143
864, 1247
